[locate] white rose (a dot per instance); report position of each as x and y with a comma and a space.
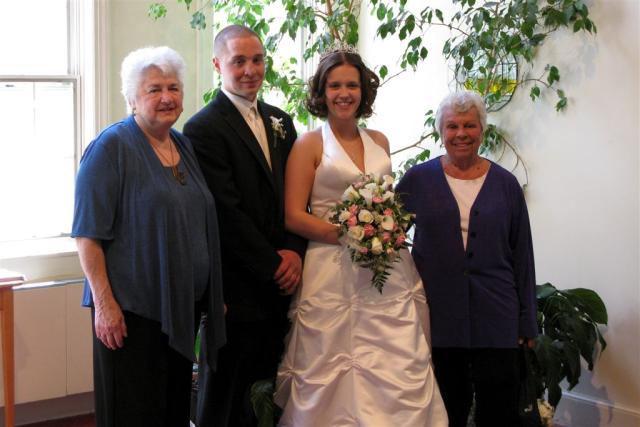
388, 195
344, 215
356, 232
376, 246
365, 216
388, 181
371, 186
388, 223
367, 195
350, 194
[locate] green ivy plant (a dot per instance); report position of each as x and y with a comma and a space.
491, 48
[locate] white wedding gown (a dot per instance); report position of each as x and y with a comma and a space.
356, 357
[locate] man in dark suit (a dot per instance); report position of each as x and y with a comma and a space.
242, 146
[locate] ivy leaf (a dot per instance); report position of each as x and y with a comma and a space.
383, 71
535, 93
468, 62
477, 22
198, 21
554, 75
446, 49
381, 12
439, 15
157, 11
536, 39
578, 25
562, 103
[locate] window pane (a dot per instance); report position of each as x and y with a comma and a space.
38, 145
33, 37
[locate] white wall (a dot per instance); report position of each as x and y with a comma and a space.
583, 190
130, 28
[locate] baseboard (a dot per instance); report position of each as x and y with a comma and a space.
53, 409
578, 410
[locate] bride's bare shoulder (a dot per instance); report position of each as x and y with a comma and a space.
310, 143
310, 139
379, 138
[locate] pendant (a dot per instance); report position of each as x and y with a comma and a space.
179, 175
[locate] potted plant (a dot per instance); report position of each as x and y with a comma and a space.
569, 330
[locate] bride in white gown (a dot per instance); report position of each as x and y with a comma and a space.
354, 357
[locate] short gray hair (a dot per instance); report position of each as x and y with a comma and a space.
136, 64
460, 102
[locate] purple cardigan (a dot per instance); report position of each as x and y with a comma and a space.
484, 296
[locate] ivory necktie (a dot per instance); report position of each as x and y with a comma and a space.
257, 126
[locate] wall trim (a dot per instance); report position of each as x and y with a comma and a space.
580, 410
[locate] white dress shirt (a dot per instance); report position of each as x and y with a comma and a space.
249, 111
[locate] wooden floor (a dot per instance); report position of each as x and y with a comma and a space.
88, 420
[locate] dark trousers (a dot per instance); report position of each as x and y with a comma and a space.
144, 383
493, 375
252, 353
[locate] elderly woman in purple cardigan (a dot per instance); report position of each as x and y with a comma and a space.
473, 249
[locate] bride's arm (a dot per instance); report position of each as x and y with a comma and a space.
303, 160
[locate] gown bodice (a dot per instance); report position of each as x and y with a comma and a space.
337, 171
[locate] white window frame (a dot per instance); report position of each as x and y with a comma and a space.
87, 72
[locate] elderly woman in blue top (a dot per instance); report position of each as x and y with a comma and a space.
147, 235
472, 247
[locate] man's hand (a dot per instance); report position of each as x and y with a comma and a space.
109, 323
529, 342
287, 276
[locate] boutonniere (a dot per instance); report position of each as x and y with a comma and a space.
278, 130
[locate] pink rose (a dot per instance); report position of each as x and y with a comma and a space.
388, 212
377, 199
386, 237
352, 221
363, 250
369, 230
353, 209
400, 240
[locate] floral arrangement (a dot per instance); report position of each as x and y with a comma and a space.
373, 223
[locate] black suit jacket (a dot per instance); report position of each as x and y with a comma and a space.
250, 203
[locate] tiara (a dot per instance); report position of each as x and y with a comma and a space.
338, 46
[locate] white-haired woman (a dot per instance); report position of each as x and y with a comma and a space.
146, 230
473, 250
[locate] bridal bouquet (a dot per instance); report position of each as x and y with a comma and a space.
373, 222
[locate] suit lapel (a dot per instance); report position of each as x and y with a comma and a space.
231, 114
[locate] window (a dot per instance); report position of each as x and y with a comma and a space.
42, 110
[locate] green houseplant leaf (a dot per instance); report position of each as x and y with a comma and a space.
568, 322
264, 408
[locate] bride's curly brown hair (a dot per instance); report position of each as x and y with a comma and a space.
369, 83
